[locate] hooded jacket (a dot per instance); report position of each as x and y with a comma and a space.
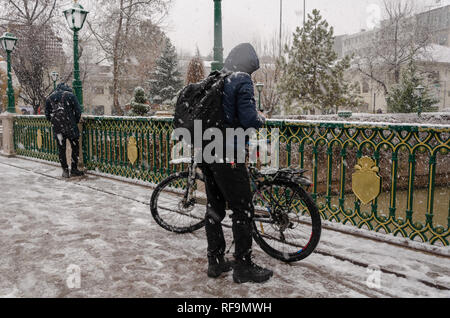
239, 96
72, 109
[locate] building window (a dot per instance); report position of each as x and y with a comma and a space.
358, 87
99, 110
105, 69
434, 76
444, 40
98, 90
365, 87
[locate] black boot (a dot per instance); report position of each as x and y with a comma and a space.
216, 243
65, 174
76, 173
218, 265
247, 271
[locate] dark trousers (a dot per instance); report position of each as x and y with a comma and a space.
228, 184
75, 145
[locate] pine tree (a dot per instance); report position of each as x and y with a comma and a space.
312, 76
139, 104
403, 97
165, 81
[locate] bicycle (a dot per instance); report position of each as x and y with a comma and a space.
286, 224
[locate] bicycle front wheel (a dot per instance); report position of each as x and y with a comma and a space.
287, 223
176, 210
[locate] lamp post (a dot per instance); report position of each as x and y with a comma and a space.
76, 16
304, 12
8, 41
55, 77
217, 65
259, 87
419, 93
281, 26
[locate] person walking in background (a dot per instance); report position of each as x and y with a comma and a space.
63, 110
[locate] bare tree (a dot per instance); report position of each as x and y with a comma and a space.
196, 70
401, 38
269, 72
144, 50
115, 27
31, 21
28, 12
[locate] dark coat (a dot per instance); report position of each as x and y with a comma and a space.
63, 96
239, 96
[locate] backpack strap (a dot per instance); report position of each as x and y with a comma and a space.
225, 74
220, 74
56, 102
64, 97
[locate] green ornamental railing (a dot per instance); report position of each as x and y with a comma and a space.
106, 147
33, 137
382, 177
406, 159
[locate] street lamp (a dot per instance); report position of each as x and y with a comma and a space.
8, 42
217, 65
55, 77
76, 16
304, 12
281, 25
419, 93
259, 87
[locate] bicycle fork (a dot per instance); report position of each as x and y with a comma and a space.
190, 185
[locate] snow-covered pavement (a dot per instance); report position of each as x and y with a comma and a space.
51, 230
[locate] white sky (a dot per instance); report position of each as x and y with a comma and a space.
191, 21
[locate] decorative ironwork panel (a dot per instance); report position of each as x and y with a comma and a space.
414, 172
33, 137
137, 148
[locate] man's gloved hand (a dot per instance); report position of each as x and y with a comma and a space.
262, 115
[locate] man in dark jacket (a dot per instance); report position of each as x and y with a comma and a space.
64, 112
226, 182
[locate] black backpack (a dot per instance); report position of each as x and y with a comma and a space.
201, 101
60, 118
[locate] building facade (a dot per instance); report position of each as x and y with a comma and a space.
435, 61
98, 93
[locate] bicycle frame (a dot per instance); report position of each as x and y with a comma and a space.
271, 206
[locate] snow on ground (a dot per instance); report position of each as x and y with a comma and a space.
51, 229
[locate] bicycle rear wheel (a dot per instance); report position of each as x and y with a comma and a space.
287, 223
172, 211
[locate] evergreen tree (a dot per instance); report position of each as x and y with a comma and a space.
165, 81
139, 103
403, 97
312, 76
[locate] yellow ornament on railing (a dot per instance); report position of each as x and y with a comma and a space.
366, 183
132, 150
39, 139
